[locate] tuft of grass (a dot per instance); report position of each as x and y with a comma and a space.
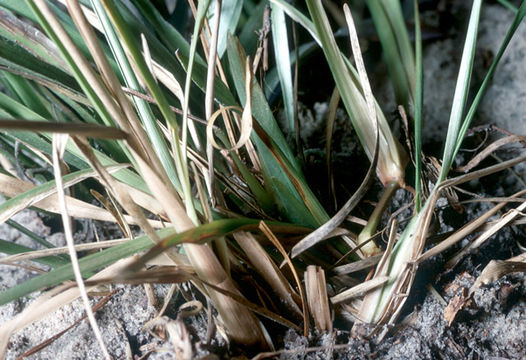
183, 137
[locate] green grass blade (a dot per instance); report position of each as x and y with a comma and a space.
461, 91
91, 263
260, 108
390, 165
222, 94
75, 158
390, 26
143, 108
174, 41
508, 5
200, 16
521, 13
31, 235
283, 177
10, 248
27, 94
129, 41
230, 14
283, 62
419, 103
297, 16
79, 76
17, 60
87, 264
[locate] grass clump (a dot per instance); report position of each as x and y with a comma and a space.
183, 138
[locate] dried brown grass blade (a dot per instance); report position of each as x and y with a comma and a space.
15, 187
241, 323
246, 118
59, 147
497, 269
119, 218
467, 229
270, 235
403, 279
483, 172
120, 192
109, 89
159, 275
60, 250
489, 149
359, 290
31, 34
358, 265
11, 187
265, 267
321, 233
317, 298
505, 220
171, 274
313, 238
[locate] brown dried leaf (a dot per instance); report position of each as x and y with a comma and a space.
457, 303
317, 299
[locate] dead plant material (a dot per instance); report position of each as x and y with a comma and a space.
12, 187
320, 233
503, 221
51, 301
316, 289
270, 235
175, 331
359, 290
497, 269
357, 265
265, 267
467, 229
114, 211
489, 149
80, 129
457, 303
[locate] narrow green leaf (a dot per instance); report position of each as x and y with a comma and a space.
133, 48
27, 94
260, 108
461, 90
301, 19
283, 62
91, 263
521, 13
419, 103
10, 248
143, 108
390, 164
390, 26
87, 264
166, 32
32, 235
230, 14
